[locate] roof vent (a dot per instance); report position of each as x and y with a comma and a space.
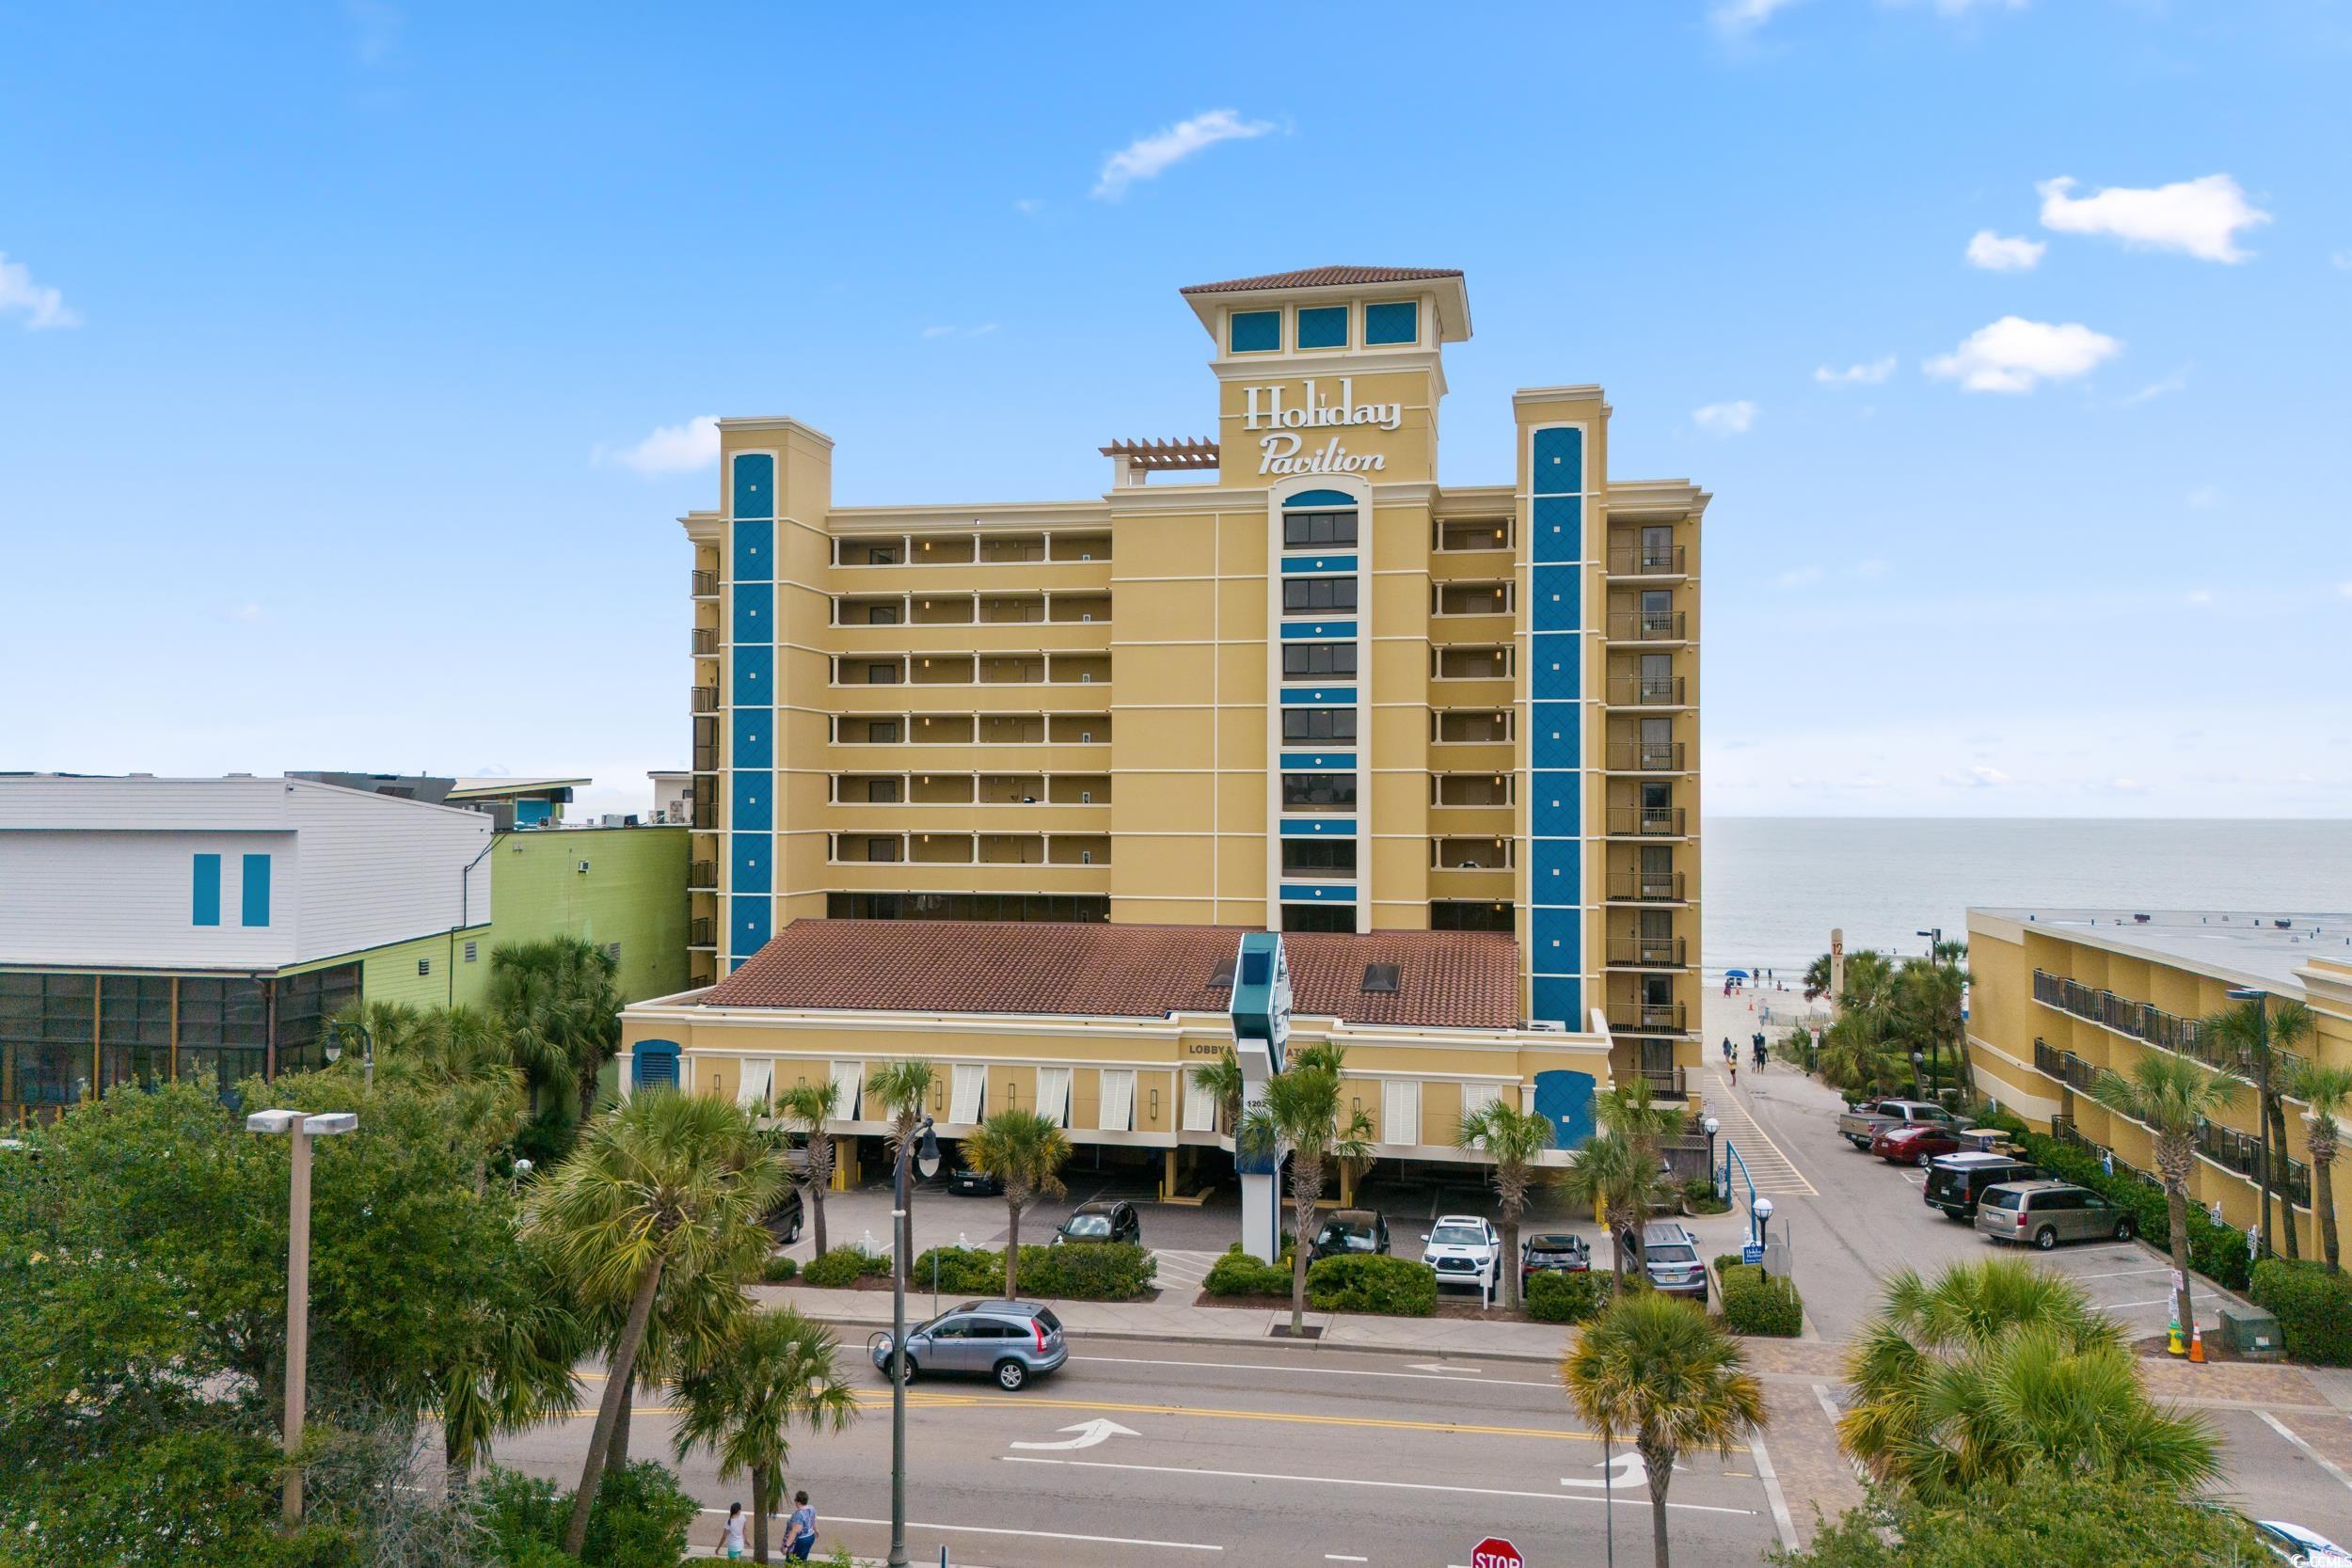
1380, 978
1222, 974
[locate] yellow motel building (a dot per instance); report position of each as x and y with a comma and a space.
2059, 994
1274, 677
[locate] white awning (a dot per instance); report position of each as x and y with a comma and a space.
851, 1076
966, 1105
1200, 1106
1117, 1112
1052, 1095
1399, 1110
757, 1084
1477, 1096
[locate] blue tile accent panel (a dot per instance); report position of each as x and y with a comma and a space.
1318, 696
1322, 326
207, 890
1555, 803
754, 486
754, 551
1320, 827
753, 802
1559, 522
1553, 942
1555, 666
253, 905
751, 866
1553, 593
534, 813
1318, 500
1395, 322
655, 1064
1554, 738
754, 738
755, 676
1319, 761
1318, 893
1563, 1098
1558, 459
747, 924
754, 612
1256, 331
1552, 876
1318, 628
1320, 564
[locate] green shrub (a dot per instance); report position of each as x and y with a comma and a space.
778, 1269
640, 1520
1237, 1274
964, 1270
1368, 1282
1699, 1194
1554, 1297
1726, 1262
1087, 1270
1753, 1303
2314, 1308
845, 1266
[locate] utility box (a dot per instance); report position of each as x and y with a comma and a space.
2251, 1334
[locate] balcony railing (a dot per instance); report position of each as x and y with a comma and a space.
1670, 1083
1646, 561
2049, 1058
702, 874
1664, 627
702, 931
1647, 953
706, 698
2243, 1153
1645, 887
706, 585
706, 758
1650, 1018
1646, 821
706, 640
706, 805
1645, 691
2165, 1031
1647, 758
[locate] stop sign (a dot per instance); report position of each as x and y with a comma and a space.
1495, 1552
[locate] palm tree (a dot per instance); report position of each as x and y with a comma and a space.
1514, 1140
505, 1364
665, 1188
1929, 1001
1222, 1079
1655, 1370
1632, 1110
2328, 1093
463, 1051
2252, 1031
2171, 1096
1302, 1111
899, 1090
1024, 1150
808, 1106
560, 1001
776, 1372
1610, 1174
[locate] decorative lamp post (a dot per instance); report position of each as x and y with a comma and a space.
924, 1147
302, 1128
1763, 1212
1711, 1126
334, 1048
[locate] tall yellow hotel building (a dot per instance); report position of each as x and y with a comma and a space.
1276, 678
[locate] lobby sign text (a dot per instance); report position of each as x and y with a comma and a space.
1281, 449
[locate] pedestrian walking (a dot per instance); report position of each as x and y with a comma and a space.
731, 1533
1759, 1052
1729, 1049
799, 1532
1735, 1072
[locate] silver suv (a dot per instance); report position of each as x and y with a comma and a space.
1009, 1340
1670, 1256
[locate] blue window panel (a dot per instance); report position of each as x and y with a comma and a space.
747, 926
1558, 457
1318, 628
1555, 667
1552, 876
1562, 1098
1554, 594
750, 865
253, 902
754, 738
1559, 528
1319, 761
752, 803
1319, 696
1554, 944
1318, 500
1554, 734
1316, 893
654, 1064
207, 911
1321, 827
754, 551
1321, 563
1256, 331
754, 612
755, 676
754, 486
1555, 803
1398, 322
1324, 327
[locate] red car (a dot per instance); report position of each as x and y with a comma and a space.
1917, 1144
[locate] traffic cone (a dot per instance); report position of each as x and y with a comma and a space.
2197, 1344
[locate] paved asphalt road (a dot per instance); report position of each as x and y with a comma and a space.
1247, 1455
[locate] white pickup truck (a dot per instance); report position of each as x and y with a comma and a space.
1865, 1121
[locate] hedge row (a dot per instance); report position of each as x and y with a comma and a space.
2314, 1308
1368, 1282
1554, 1297
1237, 1274
845, 1266
778, 1269
1091, 1271
1756, 1303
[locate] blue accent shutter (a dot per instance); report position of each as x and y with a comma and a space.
1325, 326
207, 890
1256, 331
255, 906
1395, 322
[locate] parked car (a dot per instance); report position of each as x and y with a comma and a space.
1671, 1261
1464, 1249
2303, 1548
1553, 1252
1104, 1220
2048, 1212
1863, 1122
1955, 1182
1350, 1231
1917, 1143
977, 1184
1012, 1341
784, 1217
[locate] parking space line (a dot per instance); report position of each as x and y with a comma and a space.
1781, 1521
2321, 1460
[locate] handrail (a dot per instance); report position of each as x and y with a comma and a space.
1723, 1189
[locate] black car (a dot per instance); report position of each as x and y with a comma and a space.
783, 1219
1104, 1220
1553, 1252
978, 1183
1956, 1182
1351, 1230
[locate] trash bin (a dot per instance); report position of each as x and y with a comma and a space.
2251, 1334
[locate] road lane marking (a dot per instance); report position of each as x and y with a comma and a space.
1089, 1434
1328, 1372
1781, 1521
1293, 1418
2324, 1463
2117, 1273
1342, 1557
1361, 1481
1029, 1534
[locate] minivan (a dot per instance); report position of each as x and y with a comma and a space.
2048, 1212
1955, 1182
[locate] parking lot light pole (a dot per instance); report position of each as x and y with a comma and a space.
925, 1148
302, 1128
1711, 1126
333, 1049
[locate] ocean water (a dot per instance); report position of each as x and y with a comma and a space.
1774, 886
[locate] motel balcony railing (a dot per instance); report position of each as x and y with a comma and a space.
706, 811
1647, 953
706, 698
1665, 626
1649, 1017
1646, 757
702, 931
1645, 887
2165, 1031
1646, 821
1646, 561
706, 640
705, 584
1645, 692
703, 876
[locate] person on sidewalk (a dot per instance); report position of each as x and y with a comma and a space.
731, 1533
1729, 1049
799, 1532
1734, 1069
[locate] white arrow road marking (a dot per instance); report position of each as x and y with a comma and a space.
1439, 1367
1089, 1434
1626, 1472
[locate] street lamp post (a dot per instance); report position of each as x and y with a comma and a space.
925, 1148
1935, 940
2261, 999
302, 1128
334, 1048
1763, 1214
1712, 1127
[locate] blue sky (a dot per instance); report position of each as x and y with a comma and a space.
336, 343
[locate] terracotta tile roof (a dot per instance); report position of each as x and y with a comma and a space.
1322, 278
1446, 979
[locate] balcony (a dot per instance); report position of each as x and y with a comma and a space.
702, 876
1647, 953
2243, 1153
2183, 1036
1646, 822
705, 813
1667, 1083
705, 584
706, 698
1645, 887
1650, 757
1666, 627
1645, 692
1648, 1018
1646, 561
706, 641
702, 932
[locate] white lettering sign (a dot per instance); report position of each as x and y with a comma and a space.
1282, 452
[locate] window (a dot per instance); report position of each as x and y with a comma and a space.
1465, 915
1395, 322
881, 614
1317, 917
1318, 659
881, 732
1318, 790
1222, 974
882, 674
1380, 979
882, 849
1324, 327
612, 951
253, 907
882, 792
1312, 593
1255, 331
1091, 908
1316, 855
1306, 531
207, 900
1318, 723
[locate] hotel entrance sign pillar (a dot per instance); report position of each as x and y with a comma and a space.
1262, 1023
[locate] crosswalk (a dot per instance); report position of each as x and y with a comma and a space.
1181, 1271
1775, 1174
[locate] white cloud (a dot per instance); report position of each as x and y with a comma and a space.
2197, 218
1999, 253
1725, 419
1798, 577
375, 29
1028, 206
1148, 157
1962, 7
2176, 382
1870, 374
1873, 568
2015, 354
42, 305
672, 448
1741, 17
937, 331
1978, 777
